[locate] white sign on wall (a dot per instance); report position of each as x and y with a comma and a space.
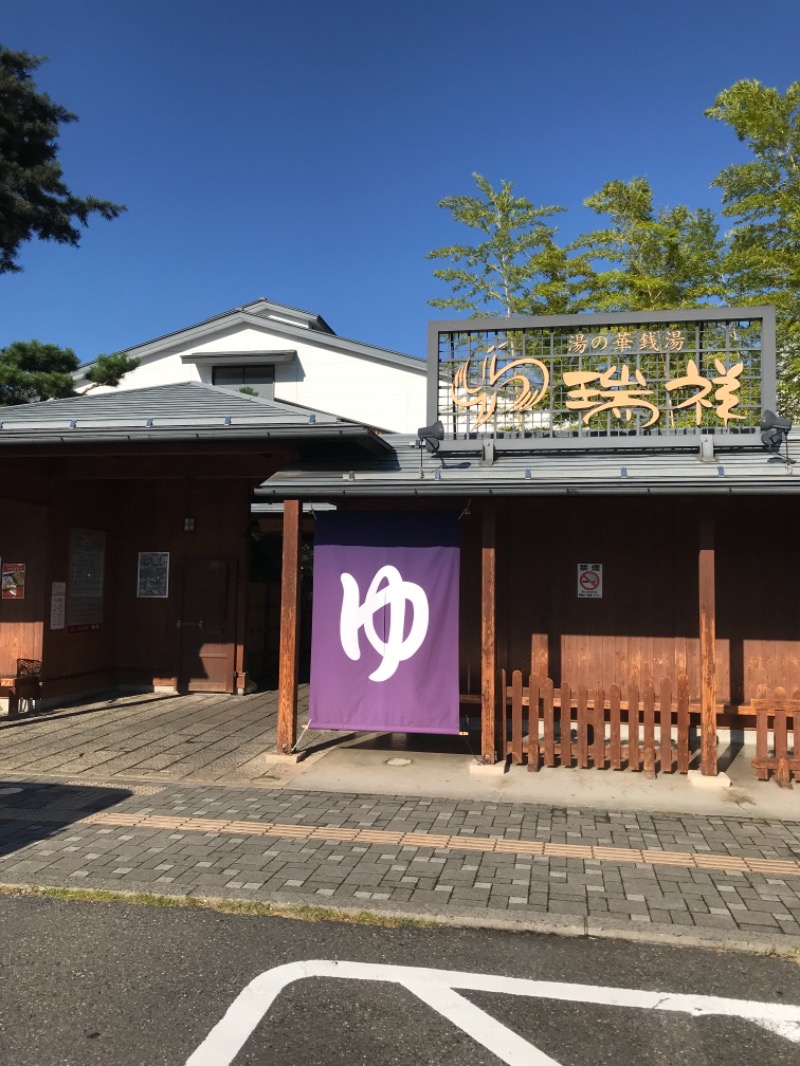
590, 581
58, 604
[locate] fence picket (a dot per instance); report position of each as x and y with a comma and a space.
615, 751
633, 727
683, 724
548, 724
780, 734
582, 714
649, 730
762, 760
533, 723
504, 689
565, 747
516, 717
665, 726
599, 752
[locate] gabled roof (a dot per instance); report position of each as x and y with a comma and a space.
265, 308
274, 318
189, 410
408, 470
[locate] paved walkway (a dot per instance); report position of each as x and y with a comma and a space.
185, 796
212, 737
723, 880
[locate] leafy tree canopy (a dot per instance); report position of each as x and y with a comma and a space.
31, 371
648, 258
762, 197
110, 369
518, 268
35, 202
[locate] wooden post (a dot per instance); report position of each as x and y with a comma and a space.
488, 633
708, 626
290, 627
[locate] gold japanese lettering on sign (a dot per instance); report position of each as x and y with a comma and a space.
492, 379
627, 342
494, 386
614, 393
727, 384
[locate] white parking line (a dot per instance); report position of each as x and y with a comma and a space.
437, 988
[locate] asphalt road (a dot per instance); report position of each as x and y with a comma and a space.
84, 983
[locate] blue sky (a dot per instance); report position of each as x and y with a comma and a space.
298, 151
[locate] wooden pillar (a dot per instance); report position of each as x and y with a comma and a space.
290, 627
708, 634
488, 632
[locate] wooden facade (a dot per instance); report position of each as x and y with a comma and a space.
698, 588
104, 495
190, 640
646, 626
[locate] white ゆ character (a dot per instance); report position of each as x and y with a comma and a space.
387, 590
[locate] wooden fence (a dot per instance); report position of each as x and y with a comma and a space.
645, 731
778, 716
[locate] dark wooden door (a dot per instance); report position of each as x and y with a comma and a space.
208, 626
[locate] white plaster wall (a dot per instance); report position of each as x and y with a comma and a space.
165, 368
351, 386
380, 394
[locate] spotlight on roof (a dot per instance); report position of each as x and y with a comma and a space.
431, 435
774, 430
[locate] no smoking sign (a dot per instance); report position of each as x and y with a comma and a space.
590, 581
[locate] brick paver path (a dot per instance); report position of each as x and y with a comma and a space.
207, 737
594, 869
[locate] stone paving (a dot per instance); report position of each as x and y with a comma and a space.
206, 736
723, 878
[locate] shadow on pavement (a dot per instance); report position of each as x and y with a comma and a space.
439, 743
63, 711
31, 811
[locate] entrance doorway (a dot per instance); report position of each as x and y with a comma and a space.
208, 626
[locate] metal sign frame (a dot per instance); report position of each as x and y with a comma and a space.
520, 419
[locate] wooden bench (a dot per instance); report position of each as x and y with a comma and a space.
25, 685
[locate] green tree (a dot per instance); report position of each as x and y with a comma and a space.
647, 258
518, 268
35, 202
110, 369
31, 371
762, 197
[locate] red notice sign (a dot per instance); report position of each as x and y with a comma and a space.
13, 581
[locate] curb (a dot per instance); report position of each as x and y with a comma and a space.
660, 935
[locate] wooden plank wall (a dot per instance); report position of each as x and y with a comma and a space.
81, 661
23, 527
148, 640
646, 625
139, 639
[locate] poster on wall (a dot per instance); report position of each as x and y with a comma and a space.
13, 581
58, 604
152, 581
85, 586
384, 640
